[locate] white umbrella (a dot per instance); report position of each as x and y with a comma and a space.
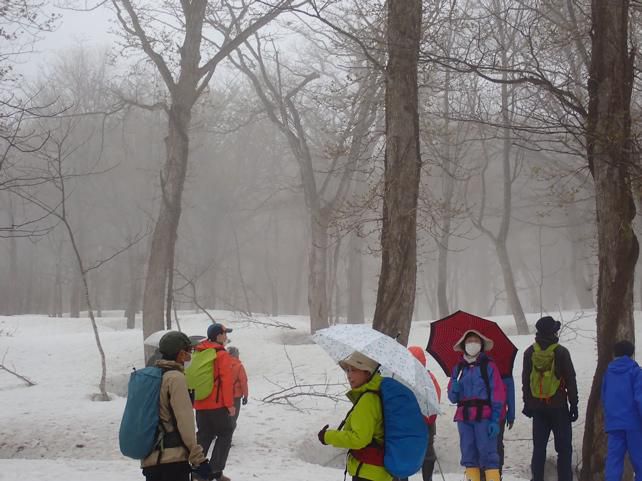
341, 340
154, 338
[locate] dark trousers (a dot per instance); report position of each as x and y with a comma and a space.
168, 472
429, 460
237, 405
557, 421
215, 424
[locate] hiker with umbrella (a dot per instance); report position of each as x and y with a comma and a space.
390, 393
478, 357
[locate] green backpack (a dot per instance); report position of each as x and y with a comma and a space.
200, 373
544, 382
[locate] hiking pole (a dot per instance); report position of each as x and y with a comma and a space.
441, 471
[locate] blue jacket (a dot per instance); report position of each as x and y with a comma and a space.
622, 395
472, 387
509, 384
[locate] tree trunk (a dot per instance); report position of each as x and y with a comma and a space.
318, 271
165, 231
511, 291
402, 169
134, 266
609, 158
502, 238
580, 266
355, 280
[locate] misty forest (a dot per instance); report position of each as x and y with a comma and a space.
348, 160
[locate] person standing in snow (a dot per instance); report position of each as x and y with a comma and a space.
549, 389
361, 432
429, 461
180, 448
215, 414
622, 401
239, 377
477, 388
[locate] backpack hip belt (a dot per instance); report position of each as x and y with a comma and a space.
476, 403
371, 454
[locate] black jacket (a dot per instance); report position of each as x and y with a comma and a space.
564, 370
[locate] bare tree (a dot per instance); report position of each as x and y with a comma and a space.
398, 278
324, 194
186, 77
611, 163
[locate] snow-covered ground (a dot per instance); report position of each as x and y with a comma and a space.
56, 431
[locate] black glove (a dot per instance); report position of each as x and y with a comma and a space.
573, 414
244, 401
322, 434
204, 470
527, 412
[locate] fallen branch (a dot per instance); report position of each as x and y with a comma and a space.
26, 380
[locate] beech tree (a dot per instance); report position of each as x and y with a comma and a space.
610, 160
402, 168
156, 31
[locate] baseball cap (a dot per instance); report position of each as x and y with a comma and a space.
215, 329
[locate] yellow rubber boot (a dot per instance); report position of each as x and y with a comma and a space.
473, 474
492, 475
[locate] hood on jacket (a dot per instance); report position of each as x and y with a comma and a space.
622, 364
545, 340
207, 344
372, 385
418, 352
170, 365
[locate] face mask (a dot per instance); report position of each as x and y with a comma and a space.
473, 348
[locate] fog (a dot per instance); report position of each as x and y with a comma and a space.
96, 133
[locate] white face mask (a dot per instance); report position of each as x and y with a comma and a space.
473, 348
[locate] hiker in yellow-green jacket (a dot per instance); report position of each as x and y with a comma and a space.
362, 430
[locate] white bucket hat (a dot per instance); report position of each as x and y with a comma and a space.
359, 361
487, 344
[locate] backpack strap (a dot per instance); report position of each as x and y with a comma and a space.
167, 439
373, 452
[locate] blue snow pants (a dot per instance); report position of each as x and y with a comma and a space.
477, 449
619, 443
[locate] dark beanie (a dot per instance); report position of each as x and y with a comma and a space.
547, 325
623, 348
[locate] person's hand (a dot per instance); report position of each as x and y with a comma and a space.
204, 470
244, 401
573, 414
322, 434
509, 424
527, 412
455, 386
493, 430
231, 411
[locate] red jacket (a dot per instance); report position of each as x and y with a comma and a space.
240, 378
223, 393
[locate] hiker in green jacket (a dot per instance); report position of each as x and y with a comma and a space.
362, 431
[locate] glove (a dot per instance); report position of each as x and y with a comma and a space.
573, 414
204, 470
493, 430
322, 434
527, 412
244, 401
455, 386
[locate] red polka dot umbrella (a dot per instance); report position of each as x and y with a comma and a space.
445, 332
